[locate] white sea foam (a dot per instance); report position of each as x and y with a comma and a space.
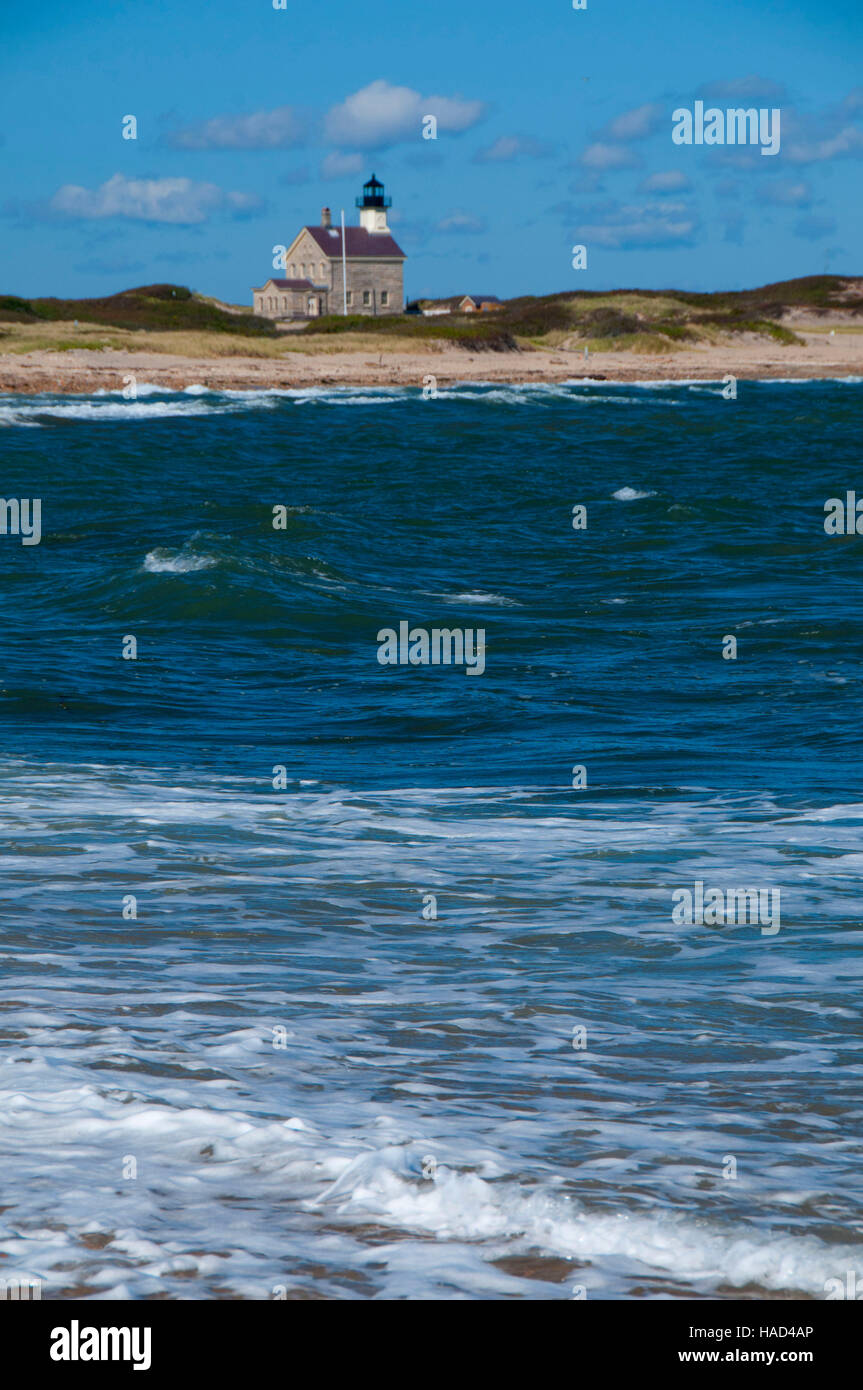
809, 380
100, 408
155, 402
142, 388
10, 416
631, 494
493, 600
466, 1206
98, 411
162, 561
341, 398
213, 1152
645, 384
299, 910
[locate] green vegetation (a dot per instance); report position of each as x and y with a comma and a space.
154, 308
475, 331
617, 320
734, 323
637, 320
818, 292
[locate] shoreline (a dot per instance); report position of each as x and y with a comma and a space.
76, 373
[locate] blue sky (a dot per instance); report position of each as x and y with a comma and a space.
554, 128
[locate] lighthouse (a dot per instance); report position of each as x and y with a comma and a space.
325, 272
373, 207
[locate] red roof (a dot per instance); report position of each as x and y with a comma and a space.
358, 242
291, 284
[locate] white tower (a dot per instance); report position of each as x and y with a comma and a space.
373, 207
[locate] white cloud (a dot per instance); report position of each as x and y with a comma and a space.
601, 155
666, 181
507, 147
340, 166
819, 136
847, 142
638, 123
796, 195
622, 227
381, 115
280, 129
176, 200
461, 222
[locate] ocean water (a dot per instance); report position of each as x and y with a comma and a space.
281, 1078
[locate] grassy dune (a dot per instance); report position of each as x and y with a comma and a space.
173, 319
21, 338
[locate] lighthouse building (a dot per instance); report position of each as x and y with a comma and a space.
317, 265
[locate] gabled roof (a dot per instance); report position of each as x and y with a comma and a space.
454, 300
358, 242
292, 284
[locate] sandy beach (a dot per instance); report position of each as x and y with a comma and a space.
746, 357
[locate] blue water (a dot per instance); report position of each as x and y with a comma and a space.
282, 1079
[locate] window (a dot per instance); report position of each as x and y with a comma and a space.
385, 296
350, 298
323, 271
293, 270
303, 270
284, 301
367, 296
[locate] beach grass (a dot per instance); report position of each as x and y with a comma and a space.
172, 319
21, 338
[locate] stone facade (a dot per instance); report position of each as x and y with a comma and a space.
282, 299
374, 287
304, 260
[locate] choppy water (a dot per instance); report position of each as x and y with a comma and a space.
424, 1126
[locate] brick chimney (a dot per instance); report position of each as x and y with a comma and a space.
326, 217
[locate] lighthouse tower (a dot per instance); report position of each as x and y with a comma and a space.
373, 207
